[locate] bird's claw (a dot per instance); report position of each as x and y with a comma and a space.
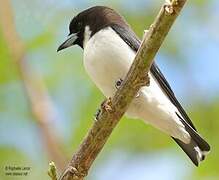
169, 6
118, 83
137, 95
107, 105
144, 81
97, 114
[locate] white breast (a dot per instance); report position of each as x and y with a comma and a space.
107, 58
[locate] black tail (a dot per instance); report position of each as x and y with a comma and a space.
193, 151
197, 149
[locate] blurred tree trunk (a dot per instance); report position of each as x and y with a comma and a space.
40, 103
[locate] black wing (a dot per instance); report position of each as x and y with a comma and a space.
133, 41
190, 149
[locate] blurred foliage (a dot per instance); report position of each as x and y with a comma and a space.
6, 64
77, 99
40, 41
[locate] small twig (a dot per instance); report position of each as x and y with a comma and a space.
52, 171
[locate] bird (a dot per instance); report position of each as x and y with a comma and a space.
109, 48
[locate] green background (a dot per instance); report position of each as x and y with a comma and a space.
188, 58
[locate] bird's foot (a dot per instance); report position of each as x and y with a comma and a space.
143, 81
137, 95
97, 114
169, 6
118, 83
107, 105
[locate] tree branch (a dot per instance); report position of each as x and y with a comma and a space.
40, 103
117, 106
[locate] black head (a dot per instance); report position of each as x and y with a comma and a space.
95, 18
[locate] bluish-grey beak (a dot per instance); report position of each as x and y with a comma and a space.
69, 42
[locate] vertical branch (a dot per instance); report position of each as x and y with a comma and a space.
40, 103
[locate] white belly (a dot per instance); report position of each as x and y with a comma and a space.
106, 71
152, 105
